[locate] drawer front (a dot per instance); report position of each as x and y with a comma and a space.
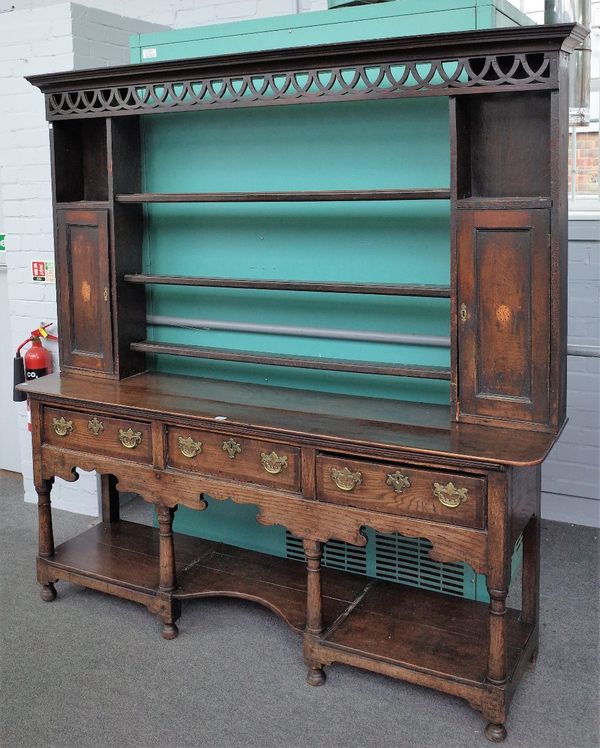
234, 457
401, 489
97, 434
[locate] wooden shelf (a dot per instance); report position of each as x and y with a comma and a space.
400, 625
300, 362
283, 197
379, 289
426, 631
121, 557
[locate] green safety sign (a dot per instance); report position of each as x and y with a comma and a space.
2, 242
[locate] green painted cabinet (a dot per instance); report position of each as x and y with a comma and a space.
339, 24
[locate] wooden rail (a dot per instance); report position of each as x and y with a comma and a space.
381, 289
283, 197
301, 362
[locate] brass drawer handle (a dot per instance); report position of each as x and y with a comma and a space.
95, 426
449, 495
62, 427
398, 481
232, 448
188, 447
130, 438
345, 479
272, 462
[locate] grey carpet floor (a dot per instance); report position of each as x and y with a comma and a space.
92, 670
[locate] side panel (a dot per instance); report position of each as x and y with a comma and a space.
84, 290
503, 315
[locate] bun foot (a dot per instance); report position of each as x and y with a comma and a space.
169, 631
48, 592
316, 676
494, 732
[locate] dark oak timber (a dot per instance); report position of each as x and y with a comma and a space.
301, 362
465, 477
379, 289
283, 197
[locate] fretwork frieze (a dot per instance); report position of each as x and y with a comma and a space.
441, 77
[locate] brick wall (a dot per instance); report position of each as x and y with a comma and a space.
185, 13
587, 163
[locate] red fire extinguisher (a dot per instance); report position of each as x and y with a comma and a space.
36, 363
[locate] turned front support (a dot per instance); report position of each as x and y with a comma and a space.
498, 578
314, 609
168, 608
45, 533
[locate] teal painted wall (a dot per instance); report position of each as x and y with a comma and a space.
349, 145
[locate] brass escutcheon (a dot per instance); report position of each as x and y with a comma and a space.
62, 427
95, 426
398, 481
345, 479
232, 448
130, 438
463, 312
273, 463
449, 495
188, 447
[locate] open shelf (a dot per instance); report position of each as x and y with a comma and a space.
81, 160
124, 556
283, 197
379, 289
423, 630
301, 362
400, 625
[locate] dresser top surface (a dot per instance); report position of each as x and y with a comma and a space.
323, 419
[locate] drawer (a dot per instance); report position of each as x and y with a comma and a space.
97, 434
401, 489
234, 457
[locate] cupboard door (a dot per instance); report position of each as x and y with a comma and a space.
504, 316
84, 290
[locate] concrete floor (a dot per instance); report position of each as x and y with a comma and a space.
92, 670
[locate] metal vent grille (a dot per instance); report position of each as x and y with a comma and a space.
396, 558
336, 554
406, 560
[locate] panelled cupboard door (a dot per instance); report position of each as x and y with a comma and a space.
504, 316
83, 279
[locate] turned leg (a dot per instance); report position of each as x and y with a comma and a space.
45, 534
314, 609
496, 673
498, 576
169, 610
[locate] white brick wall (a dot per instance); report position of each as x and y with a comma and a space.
185, 13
